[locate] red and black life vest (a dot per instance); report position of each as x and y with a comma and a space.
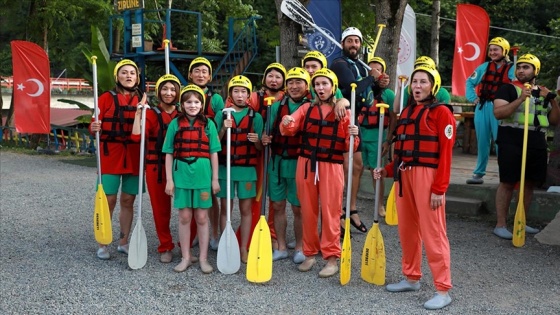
208, 110
155, 142
416, 144
262, 108
492, 80
284, 146
321, 138
369, 116
190, 141
243, 151
117, 127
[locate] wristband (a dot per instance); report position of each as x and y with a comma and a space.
550, 96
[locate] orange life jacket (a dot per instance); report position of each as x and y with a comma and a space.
284, 144
415, 143
243, 151
155, 142
492, 80
368, 117
190, 141
321, 138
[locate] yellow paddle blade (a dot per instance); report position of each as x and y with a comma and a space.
346, 255
259, 259
519, 225
391, 217
373, 257
102, 218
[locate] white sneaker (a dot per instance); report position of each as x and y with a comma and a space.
299, 257
103, 253
123, 249
439, 301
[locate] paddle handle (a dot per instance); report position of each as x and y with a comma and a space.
166, 45
96, 115
381, 107
350, 150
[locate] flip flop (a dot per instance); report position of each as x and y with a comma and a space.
362, 228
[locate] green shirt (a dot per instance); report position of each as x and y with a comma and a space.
197, 175
240, 173
287, 168
372, 134
217, 103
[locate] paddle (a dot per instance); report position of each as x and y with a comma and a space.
298, 13
519, 223
373, 254
228, 258
101, 214
259, 260
138, 244
346, 255
166, 45
391, 217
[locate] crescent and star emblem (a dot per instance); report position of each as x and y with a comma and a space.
476, 51
40, 87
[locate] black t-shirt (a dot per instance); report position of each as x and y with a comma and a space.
511, 135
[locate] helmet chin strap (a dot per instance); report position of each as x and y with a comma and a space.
134, 89
271, 89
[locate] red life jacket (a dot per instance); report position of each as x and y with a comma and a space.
415, 143
322, 139
155, 142
284, 146
208, 110
243, 151
261, 106
368, 117
492, 80
190, 141
117, 126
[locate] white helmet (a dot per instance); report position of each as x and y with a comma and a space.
352, 31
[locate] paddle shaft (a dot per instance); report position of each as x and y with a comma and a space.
228, 168
295, 7
381, 108
166, 44
266, 158
350, 151
141, 171
96, 114
524, 153
379, 31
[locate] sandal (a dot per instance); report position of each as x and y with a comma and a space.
362, 228
342, 229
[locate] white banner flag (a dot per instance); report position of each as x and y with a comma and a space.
407, 45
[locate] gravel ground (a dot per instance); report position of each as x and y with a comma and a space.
48, 263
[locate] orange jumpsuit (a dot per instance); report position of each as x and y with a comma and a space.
418, 223
323, 186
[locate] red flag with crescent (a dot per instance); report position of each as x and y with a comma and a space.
471, 37
32, 88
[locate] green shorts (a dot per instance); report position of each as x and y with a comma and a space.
369, 154
112, 182
192, 198
285, 189
243, 190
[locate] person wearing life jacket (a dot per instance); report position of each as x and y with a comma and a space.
368, 120
120, 157
283, 163
246, 130
509, 108
313, 61
423, 140
200, 74
191, 152
157, 120
348, 70
487, 78
319, 172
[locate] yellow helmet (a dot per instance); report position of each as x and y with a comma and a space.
201, 61
326, 72
424, 61
431, 72
380, 61
241, 81
298, 73
197, 89
123, 63
502, 42
532, 60
275, 66
168, 78
314, 55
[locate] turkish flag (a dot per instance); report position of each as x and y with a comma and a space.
471, 37
32, 88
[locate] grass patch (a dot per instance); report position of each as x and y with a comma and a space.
89, 161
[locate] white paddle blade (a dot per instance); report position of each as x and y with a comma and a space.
229, 258
295, 15
138, 248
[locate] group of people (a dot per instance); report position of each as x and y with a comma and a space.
302, 115
497, 89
